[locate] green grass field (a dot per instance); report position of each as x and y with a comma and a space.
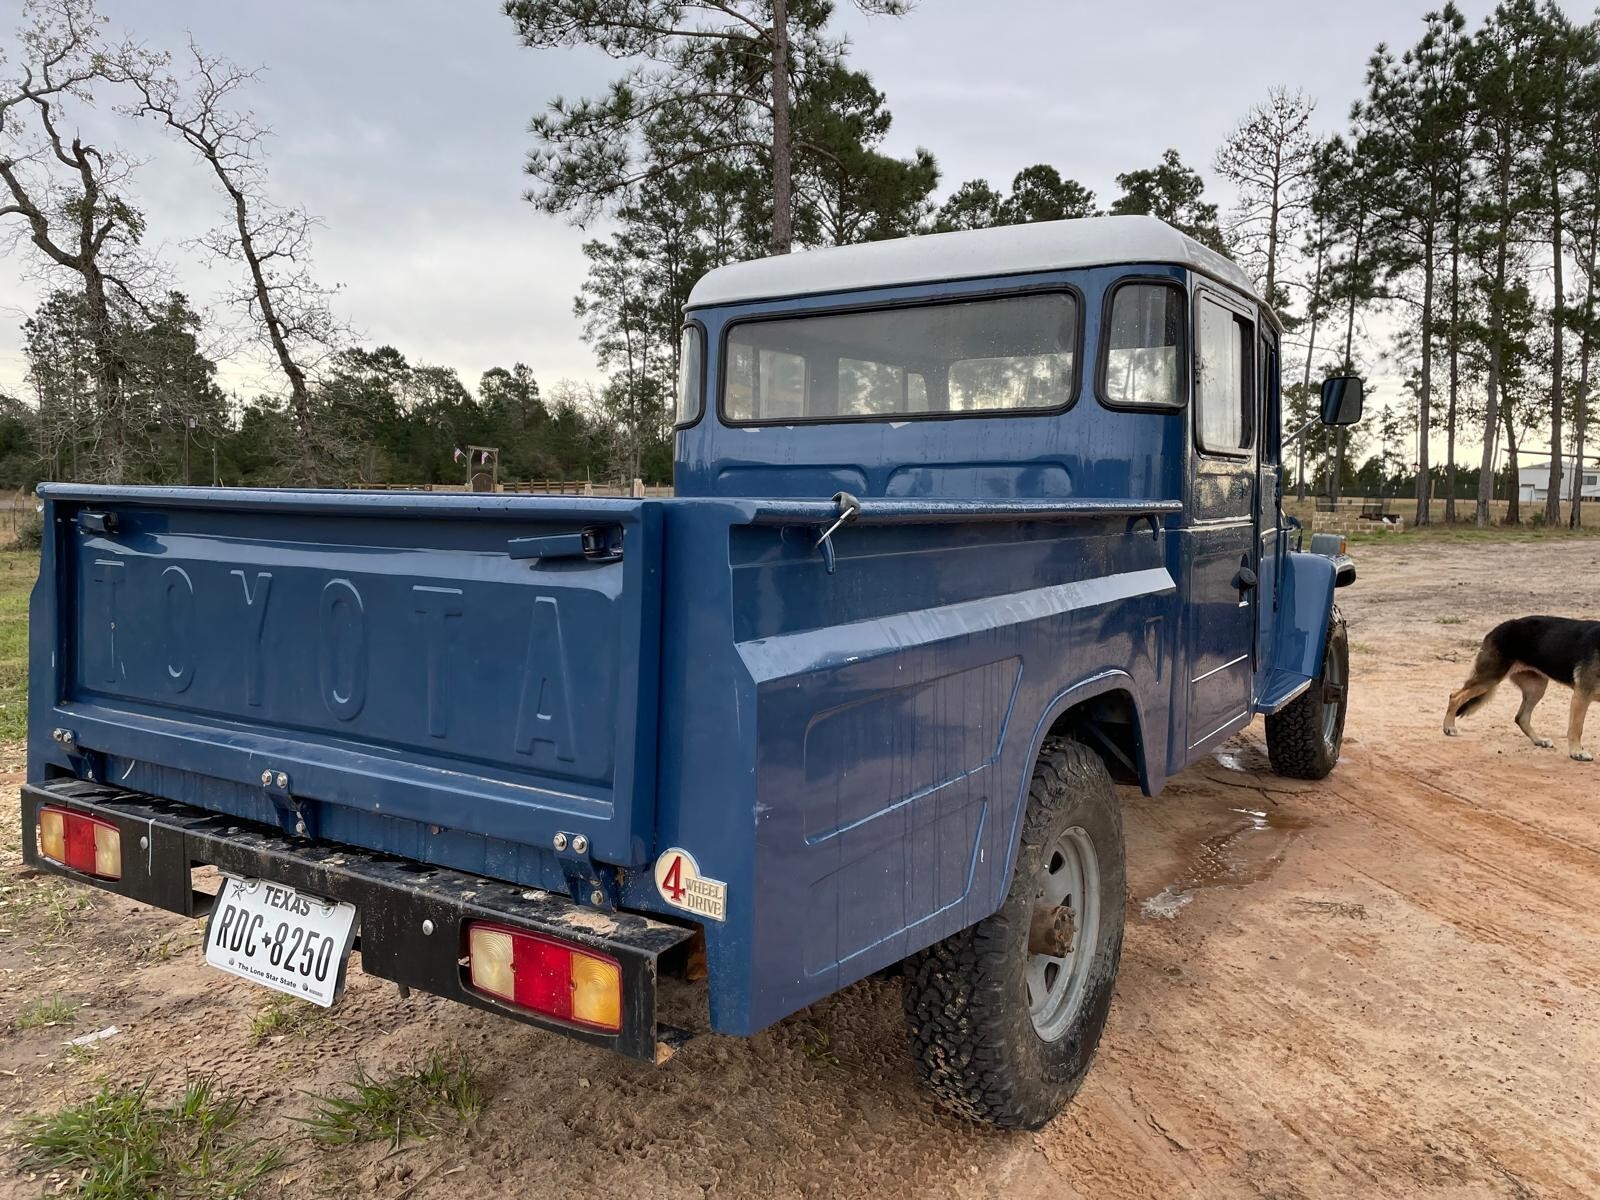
18, 570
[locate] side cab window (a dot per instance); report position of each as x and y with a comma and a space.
1142, 349
1225, 379
1268, 405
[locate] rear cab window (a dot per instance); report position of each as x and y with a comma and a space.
1009, 354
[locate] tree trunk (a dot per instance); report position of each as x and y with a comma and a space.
1491, 419
1513, 471
1272, 220
1491, 430
1425, 396
1455, 377
1552, 498
112, 431
299, 397
1336, 488
1581, 416
1580, 425
782, 147
1315, 307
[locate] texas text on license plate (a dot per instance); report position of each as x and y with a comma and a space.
277, 937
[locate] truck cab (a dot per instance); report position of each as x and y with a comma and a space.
966, 527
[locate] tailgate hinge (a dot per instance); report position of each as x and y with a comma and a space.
588, 882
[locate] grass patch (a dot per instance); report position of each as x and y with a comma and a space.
440, 1095
816, 1048
118, 1145
284, 1015
1469, 533
1449, 620
42, 905
18, 570
47, 1010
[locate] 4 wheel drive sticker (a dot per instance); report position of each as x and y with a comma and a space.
681, 885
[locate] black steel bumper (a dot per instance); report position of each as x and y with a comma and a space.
162, 841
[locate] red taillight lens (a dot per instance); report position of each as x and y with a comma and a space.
80, 842
545, 976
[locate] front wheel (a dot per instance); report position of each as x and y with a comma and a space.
1304, 739
1005, 1016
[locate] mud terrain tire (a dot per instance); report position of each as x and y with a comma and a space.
1304, 739
975, 1027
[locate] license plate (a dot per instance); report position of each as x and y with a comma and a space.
280, 938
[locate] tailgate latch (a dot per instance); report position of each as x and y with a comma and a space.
97, 522
597, 543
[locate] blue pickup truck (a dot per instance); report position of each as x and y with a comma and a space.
966, 528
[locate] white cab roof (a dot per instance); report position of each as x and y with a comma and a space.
970, 254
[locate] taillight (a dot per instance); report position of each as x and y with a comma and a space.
546, 976
80, 842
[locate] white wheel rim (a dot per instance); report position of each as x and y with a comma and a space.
1069, 875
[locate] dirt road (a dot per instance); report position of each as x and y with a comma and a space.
1384, 985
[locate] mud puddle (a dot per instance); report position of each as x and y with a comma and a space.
1248, 848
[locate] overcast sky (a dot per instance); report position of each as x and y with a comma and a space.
403, 126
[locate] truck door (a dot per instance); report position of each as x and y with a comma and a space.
1223, 548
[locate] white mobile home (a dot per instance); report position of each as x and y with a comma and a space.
1534, 481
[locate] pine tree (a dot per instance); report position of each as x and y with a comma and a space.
1270, 159
846, 190
1038, 193
1349, 187
973, 205
728, 71
1176, 194
1562, 56
1583, 232
1501, 58
1411, 115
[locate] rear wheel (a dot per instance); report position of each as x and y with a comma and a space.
1304, 739
1005, 1016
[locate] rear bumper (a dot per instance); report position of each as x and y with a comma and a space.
163, 840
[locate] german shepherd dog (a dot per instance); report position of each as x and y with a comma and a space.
1534, 651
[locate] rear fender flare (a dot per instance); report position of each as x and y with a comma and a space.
1086, 689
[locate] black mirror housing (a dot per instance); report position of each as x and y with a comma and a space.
1342, 399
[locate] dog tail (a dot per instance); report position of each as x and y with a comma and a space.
1475, 703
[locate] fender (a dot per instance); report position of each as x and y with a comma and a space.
1305, 603
1150, 777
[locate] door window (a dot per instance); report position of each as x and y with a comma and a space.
1225, 380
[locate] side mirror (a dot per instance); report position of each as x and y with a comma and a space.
1342, 398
